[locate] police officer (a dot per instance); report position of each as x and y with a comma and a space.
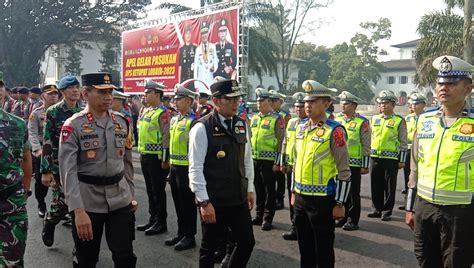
417, 103
36, 124
321, 178
205, 60
442, 178
21, 103
267, 138
186, 55
183, 198
277, 100
55, 117
287, 153
8, 101
225, 53
221, 176
388, 153
358, 145
118, 104
34, 101
153, 146
92, 149
15, 178
204, 108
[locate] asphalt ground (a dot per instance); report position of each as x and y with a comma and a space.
376, 244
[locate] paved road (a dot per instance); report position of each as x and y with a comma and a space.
376, 244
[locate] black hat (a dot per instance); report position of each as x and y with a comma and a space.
204, 27
226, 88
23, 90
223, 25
15, 90
50, 88
35, 90
98, 80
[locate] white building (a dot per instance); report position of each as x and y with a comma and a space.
53, 63
399, 74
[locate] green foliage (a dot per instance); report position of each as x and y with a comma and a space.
73, 61
315, 65
29, 28
109, 63
441, 33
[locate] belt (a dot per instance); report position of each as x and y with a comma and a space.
5, 193
100, 180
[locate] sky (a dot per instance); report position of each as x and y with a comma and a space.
342, 19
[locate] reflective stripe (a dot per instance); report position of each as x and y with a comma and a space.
179, 157
355, 162
444, 192
311, 188
321, 156
153, 147
268, 154
444, 197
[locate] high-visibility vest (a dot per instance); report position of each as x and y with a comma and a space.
353, 128
179, 138
411, 124
315, 168
149, 132
290, 137
445, 160
384, 136
264, 140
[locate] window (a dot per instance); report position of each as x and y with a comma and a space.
413, 54
403, 79
391, 80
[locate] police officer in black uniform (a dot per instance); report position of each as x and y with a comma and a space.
221, 176
225, 53
186, 56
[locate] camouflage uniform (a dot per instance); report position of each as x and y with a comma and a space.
55, 117
13, 216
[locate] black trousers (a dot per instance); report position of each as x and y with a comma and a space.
280, 191
289, 175
184, 200
383, 184
406, 169
353, 202
315, 230
40, 190
444, 235
237, 219
264, 182
135, 129
155, 181
119, 234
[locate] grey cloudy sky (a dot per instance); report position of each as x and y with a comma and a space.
342, 19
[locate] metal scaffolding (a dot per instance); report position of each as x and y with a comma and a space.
243, 31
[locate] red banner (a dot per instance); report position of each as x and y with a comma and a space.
200, 48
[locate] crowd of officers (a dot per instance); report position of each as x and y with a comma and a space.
221, 160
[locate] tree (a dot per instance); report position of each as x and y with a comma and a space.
315, 65
292, 22
441, 33
29, 28
73, 61
355, 65
466, 5
109, 63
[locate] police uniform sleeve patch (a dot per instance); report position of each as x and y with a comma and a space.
66, 132
365, 126
165, 117
338, 136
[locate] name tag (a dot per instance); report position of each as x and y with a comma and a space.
463, 138
317, 139
425, 135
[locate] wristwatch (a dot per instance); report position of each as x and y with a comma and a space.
203, 203
339, 204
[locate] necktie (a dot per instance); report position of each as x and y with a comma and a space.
228, 123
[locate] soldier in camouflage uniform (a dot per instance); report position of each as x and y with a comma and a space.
15, 177
55, 117
35, 132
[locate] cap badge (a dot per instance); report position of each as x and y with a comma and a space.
107, 79
445, 65
308, 87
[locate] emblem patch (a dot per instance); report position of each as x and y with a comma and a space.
428, 126
86, 128
66, 132
352, 124
320, 132
391, 123
466, 129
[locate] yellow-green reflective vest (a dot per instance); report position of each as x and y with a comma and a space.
445, 160
353, 128
315, 168
149, 132
411, 124
290, 137
384, 136
264, 140
179, 138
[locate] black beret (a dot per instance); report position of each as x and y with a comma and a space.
35, 90
23, 90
